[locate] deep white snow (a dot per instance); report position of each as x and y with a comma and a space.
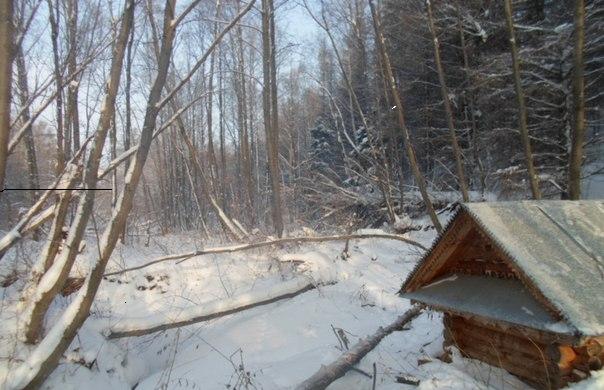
275, 346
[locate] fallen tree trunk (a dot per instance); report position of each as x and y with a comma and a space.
328, 374
209, 311
287, 240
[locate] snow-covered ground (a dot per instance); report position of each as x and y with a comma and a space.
275, 346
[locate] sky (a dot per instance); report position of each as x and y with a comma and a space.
296, 21
297, 27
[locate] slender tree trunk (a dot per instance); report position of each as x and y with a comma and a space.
461, 174
211, 153
471, 103
221, 135
54, 34
32, 164
275, 170
128, 88
6, 57
54, 279
578, 134
43, 360
419, 178
270, 112
72, 91
522, 113
246, 158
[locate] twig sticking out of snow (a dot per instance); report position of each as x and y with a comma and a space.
287, 240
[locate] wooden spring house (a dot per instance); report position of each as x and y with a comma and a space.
521, 286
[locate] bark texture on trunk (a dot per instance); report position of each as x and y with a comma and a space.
30, 147
578, 133
6, 56
522, 112
54, 34
269, 103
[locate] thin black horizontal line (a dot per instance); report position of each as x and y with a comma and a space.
56, 189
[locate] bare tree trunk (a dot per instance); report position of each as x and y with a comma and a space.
271, 121
128, 88
45, 357
461, 174
246, 157
72, 91
221, 133
6, 61
52, 282
470, 98
54, 33
522, 113
43, 360
30, 146
213, 177
578, 134
419, 178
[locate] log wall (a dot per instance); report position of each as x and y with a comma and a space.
540, 361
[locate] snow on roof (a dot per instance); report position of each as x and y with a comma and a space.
558, 246
503, 300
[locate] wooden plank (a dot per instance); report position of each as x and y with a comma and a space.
452, 237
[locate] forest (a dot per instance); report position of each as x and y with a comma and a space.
230, 193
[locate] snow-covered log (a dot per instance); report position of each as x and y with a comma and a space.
208, 311
254, 245
327, 374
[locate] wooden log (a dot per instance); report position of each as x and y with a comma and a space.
328, 374
505, 341
537, 374
538, 336
254, 245
141, 327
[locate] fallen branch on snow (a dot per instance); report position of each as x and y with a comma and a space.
209, 311
287, 240
328, 374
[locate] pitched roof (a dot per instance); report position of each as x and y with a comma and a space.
557, 246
